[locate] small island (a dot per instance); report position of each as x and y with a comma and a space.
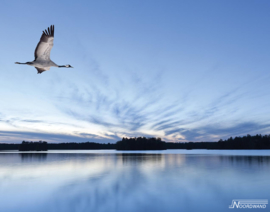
140, 143
33, 146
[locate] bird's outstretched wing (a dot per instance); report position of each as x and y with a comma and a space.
40, 70
45, 44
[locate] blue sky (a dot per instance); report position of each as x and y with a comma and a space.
179, 70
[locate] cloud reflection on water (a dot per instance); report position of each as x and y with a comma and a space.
130, 182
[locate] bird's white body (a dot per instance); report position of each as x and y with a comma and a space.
42, 60
44, 64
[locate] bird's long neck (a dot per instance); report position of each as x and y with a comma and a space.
27, 63
61, 66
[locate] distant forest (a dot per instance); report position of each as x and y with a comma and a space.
142, 143
246, 142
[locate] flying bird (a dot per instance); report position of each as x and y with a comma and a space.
42, 60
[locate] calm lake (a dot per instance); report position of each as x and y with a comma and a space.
109, 180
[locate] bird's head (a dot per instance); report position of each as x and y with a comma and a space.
68, 66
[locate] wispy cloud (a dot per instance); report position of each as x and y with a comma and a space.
146, 109
215, 132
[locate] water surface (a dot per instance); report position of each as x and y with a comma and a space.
108, 180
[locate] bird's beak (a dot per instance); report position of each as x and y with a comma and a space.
71, 67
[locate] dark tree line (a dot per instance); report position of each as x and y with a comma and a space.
86, 145
140, 143
245, 142
44, 146
9, 146
33, 146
